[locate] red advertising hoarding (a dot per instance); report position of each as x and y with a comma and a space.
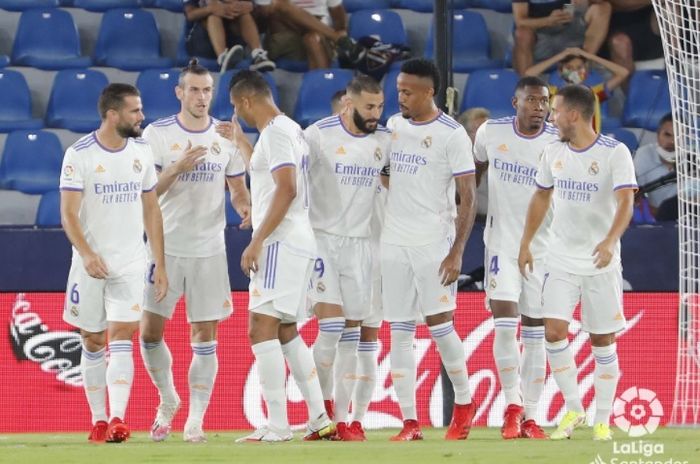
42, 391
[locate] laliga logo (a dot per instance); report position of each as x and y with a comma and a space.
637, 412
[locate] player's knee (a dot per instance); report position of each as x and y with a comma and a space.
94, 341
602, 339
440, 318
555, 334
621, 44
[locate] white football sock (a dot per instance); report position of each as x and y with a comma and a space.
301, 365
159, 365
403, 367
325, 347
563, 366
506, 354
533, 368
607, 374
202, 375
366, 378
453, 358
93, 368
273, 374
120, 376
346, 372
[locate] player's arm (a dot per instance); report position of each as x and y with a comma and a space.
619, 73
70, 207
191, 157
231, 130
604, 251
240, 198
480, 153
542, 67
451, 266
339, 17
285, 179
153, 225
536, 212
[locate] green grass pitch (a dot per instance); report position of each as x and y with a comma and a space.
484, 446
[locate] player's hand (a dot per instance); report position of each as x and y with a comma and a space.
525, 261
450, 267
249, 258
244, 212
160, 283
191, 157
559, 18
603, 253
95, 266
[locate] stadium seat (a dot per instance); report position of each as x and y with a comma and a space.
4, 60
15, 103
49, 212
352, 6
391, 95
104, 5
129, 40
232, 217
471, 45
157, 89
647, 100
491, 89
426, 6
56, 47
73, 100
386, 25
183, 57
21, 5
171, 5
31, 162
221, 105
317, 88
625, 136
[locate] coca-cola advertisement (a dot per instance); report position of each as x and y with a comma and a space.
42, 390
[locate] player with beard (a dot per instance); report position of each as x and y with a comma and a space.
194, 165
108, 198
347, 153
510, 148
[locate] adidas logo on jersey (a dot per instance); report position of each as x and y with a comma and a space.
340, 151
444, 299
175, 147
100, 168
503, 147
136, 307
255, 292
227, 304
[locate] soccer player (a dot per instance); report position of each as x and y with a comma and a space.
108, 198
194, 163
510, 148
423, 239
590, 180
347, 153
280, 256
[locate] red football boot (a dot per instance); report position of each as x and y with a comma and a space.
461, 424
330, 408
409, 432
511, 422
117, 431
98, 434
530, 429
357, 430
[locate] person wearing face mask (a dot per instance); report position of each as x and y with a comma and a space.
574, 68
656, 161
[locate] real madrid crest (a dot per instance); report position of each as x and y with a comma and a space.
492, 283
427, 142
378, 154
594, 169
216, 148
137, 166
68, 172
320, 287
74, 311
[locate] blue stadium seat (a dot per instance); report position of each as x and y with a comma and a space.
594, 78
21, 5
4, 60
49, 212
15, 103
471, 45
232, 217
625, 136
129, 40
57, 46
383, 24
317, 88
171, 5
104, 5
31, 162
426, 6
391, 95
647, 100
157, 89
352, 6
491, 89
221, 105
183, 57
73, 100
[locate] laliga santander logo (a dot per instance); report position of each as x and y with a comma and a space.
638, 412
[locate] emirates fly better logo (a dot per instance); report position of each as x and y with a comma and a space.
638, 412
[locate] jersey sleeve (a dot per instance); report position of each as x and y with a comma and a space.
312, 136
235, 166
278, 149
150, 178
71, 172
622, 168
480, 153
544, 179
459, 153
150, 135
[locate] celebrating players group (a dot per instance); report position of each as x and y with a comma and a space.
356, 224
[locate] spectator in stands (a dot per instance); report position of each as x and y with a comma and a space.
219, 27
655, 167
634, 33
305, 30
543, 28
338, 102
472, 119
573, 65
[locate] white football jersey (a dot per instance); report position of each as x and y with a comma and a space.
343, 176
111, 212
584, 183
513, 159
281, 144
425, 157
193, 207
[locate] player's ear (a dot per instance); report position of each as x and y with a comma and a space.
179, 93
514, 102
